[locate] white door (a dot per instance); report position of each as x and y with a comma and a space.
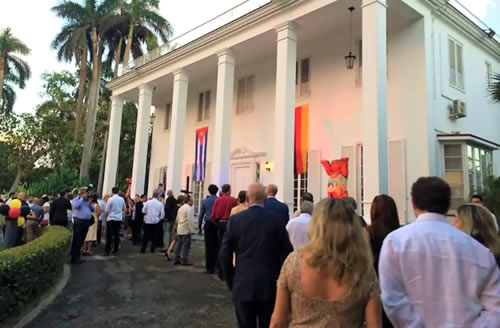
241, 177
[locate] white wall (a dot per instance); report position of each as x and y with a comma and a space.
483, 116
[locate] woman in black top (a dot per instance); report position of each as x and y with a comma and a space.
385, 219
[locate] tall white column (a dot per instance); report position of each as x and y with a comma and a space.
141, 139
285, 111
115, 125
223, 111
374, 99
176, 144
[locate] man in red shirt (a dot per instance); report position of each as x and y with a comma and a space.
220, 216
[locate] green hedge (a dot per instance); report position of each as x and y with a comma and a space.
28, 271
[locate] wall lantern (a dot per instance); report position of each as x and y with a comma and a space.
268, 166
350, 59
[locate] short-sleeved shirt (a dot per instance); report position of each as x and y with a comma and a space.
312, 312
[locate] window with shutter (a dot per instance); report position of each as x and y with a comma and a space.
245, 95
455, 56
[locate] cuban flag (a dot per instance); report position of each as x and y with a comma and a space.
200, 158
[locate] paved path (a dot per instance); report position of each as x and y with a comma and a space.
140, 290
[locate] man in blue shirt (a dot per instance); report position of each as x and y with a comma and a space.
210, 229
82, 220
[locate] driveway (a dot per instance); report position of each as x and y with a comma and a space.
140, 290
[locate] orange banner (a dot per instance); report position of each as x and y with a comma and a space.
301, 138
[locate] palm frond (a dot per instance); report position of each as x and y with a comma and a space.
494, 88
8, 99
21, 68
71, 11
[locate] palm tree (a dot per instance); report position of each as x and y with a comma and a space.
73, 43
143, 13
100, 17
10, 48
494, 87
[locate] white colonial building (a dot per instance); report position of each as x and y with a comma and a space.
415, 103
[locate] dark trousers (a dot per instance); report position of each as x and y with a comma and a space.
221, 230
136, 231
80, 229
10, 238
211, 245
182, 248
99, 232
254, 314
151, 233
62, 223
112, 236
158, 237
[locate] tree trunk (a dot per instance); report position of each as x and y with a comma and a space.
128, 48
103, 157
19, 175
2, 72
93, 100
118, 56
81, 92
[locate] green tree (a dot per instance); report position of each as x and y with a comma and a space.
101, 17
73, 43
11, 63
494, 88
143, 14
27, 144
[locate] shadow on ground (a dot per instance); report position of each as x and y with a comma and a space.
140, 290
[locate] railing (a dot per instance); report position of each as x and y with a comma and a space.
220, 20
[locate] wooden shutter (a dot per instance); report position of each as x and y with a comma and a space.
397, 177
350, 152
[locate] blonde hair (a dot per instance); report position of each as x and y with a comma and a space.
478, 223
337, 242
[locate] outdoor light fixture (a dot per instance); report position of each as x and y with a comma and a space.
350, 59
268, 166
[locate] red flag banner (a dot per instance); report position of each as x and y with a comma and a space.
301, 138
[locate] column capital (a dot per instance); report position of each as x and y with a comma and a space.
287, 30
367, 3
116, 99
145, 89
225, 56
180, 74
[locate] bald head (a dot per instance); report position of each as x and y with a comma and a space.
256, 194
306, 207
271, 190
169, 193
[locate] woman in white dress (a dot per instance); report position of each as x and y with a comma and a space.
92, 233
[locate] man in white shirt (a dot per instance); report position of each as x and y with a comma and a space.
297, 227
434, 275
153, 212
185, 228
114, 214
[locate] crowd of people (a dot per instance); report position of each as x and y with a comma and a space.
322, 267
326, 267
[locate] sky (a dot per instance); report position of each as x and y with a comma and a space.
37, 26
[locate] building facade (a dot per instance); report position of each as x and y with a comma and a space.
273, 91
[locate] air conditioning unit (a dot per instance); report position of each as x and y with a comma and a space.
457, 109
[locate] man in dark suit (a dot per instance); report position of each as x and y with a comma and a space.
58, 214
274, 205
170, 216
260, 241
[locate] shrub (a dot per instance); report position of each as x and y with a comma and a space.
28, 271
